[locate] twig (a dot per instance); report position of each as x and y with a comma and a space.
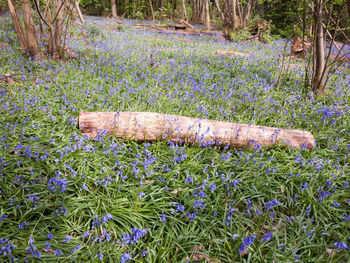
282, 67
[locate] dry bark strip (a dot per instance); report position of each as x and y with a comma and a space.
230, 53
150, 126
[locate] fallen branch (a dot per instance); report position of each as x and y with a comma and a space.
9, 77
186, 24
230, 53
149, 126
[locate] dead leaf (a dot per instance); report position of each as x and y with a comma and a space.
175, 191
149, 181
331, 251
282, 189
49, 251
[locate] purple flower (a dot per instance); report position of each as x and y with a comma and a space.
247, 241
179, 208
106, 218
86, 234
21, 226
50, 236
136, 234
162, 218
267, 237
141, 194
341, 245
271, 204
125, 257
100, 255
212, 187
67, 239
3, 217
47, 245
58, 252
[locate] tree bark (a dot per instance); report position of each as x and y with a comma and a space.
80, 14
319, 59
32, 44
153, 18
114, 8
60, 6
206, 15
219, 10
234, 13
150, 126
185, 12
17, 24
247, 11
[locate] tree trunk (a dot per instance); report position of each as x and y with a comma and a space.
32, 44
247, 11
202, 9
348, 4
114, 8
207, 15
80, 14
17, 24
60, 6
153, 18
319, 60
150, 126
219, 10
51, 32
194, 11
41, 25
185, 12
234, 13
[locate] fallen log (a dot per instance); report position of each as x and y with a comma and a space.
230, 53
180, 27
150, 126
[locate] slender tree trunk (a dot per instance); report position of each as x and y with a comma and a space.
153, 18
247, 11
219, 10
319, 60
207, 15
17, 24
185, 12
234, 13
51, 33
80, 14
114, 8
194, 10
32, 44
59, 26
202, 10
240, 13
348, 4
41, 26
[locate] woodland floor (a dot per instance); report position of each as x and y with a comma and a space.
64, 196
